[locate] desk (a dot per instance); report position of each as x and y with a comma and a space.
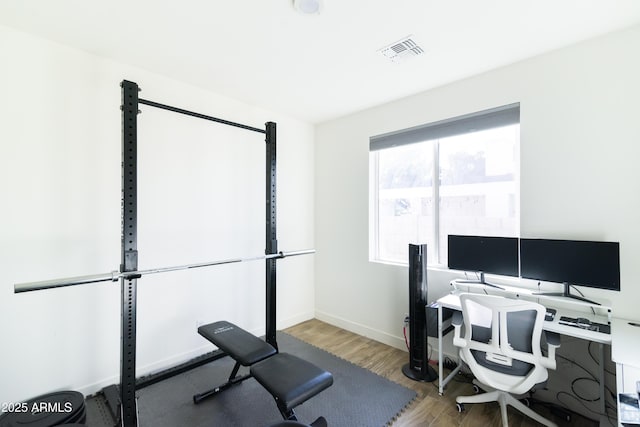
452, 301
626, 354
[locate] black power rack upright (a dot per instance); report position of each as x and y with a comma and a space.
129, 260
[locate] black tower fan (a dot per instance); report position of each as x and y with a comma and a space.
418, 367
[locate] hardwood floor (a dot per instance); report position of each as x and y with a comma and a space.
428, 409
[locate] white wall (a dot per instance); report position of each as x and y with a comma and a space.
201, 197
580, 135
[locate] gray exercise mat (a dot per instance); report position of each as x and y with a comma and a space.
358, 397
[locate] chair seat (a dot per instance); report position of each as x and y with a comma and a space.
236, 342
517, 368
291, 380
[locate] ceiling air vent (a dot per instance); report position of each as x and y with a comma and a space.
402, 50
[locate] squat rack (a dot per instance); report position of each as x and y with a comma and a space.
124, 396
129, 261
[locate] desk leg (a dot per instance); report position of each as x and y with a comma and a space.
441, 380
440, 386
619, 388
603, 406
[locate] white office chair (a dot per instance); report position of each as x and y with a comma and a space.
501, 346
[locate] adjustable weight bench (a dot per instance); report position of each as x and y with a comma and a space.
289, 379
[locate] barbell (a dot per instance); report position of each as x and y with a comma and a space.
114, 276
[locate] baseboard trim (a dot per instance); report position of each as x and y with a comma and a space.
360, 329
384, 337
149, 369
294, 320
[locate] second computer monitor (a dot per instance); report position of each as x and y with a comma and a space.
576, 262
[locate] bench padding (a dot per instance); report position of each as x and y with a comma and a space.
236, 342
290, 380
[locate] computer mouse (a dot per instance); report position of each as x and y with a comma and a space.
583, 321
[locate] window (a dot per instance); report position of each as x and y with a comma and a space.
458, 176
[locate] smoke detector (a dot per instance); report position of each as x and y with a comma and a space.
402, 50
308, 7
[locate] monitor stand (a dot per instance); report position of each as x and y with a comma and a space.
566, 293
481, 281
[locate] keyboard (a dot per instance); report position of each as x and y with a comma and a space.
629, 411
585, 324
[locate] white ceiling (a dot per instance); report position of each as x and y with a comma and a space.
317, 67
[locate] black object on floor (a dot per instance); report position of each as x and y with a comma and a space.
358, 397
48, 410
290, 379
418, 368
243, 347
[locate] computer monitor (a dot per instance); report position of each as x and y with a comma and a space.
483, 254
571, 262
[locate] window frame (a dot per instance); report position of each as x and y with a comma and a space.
469, 123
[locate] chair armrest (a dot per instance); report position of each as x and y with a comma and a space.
553, 338
456, 318
553, 342
456, 321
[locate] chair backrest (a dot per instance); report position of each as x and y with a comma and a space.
501, 341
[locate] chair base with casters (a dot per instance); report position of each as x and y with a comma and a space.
501, 344
504, 399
